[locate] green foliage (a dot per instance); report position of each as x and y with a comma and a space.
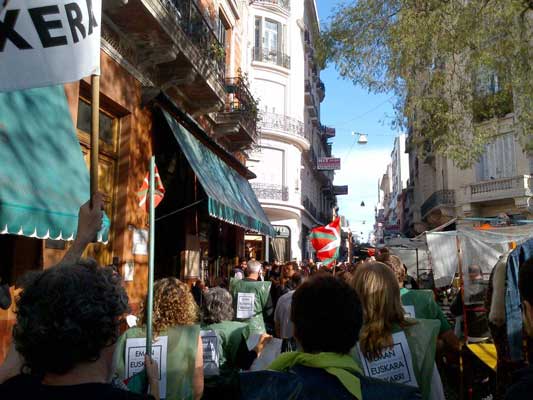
429, 53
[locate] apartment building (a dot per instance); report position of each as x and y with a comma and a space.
498, 183
285, 79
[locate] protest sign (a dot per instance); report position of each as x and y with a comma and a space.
409, 311
135, 351
210, 345
394, 364
48, 42
245, 305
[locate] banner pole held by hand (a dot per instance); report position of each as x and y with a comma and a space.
150, 295
95, 133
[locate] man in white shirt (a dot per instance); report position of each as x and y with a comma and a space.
282, 315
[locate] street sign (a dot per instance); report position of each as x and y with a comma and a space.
328, 163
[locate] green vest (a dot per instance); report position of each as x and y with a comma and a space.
425, 306
182, 344
231, 334
261, 291
422, 340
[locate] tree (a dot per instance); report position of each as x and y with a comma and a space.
439, 57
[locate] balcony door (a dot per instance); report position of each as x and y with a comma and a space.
271, 39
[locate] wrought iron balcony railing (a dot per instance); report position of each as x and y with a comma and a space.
283, 123
271, 56
270, 191
192, 22
285, 4
240, 100
439, 198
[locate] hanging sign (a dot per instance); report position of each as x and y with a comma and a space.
340, 190
135, 351
328, 163
245, 305
48, 42
395, 364
210, 347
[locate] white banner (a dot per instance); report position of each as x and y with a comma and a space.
48, 42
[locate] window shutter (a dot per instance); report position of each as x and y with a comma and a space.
258, 33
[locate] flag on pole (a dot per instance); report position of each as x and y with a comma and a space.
326, 241
159, 192
45, 43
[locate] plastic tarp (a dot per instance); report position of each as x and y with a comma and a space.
478, 247
407, 249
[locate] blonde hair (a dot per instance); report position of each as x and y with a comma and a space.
379, 293
173, 305
394, 263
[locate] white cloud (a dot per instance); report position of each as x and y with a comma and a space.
361, 171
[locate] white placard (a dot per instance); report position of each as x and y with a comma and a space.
211, 356
129, 269
395, 364
140, 242
409, 311
270, 352
135, 350
49, 42
245, 305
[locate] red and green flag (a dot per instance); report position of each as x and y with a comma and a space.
326, 241
159, 192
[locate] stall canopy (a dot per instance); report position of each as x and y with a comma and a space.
43, 177
480, 247
230, 196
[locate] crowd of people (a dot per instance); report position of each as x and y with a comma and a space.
266, 332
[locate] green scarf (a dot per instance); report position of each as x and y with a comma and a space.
340, 365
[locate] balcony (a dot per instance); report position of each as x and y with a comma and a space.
283, 4
321, 90
499, 189
310, 207
237, 123
271, 56
282, 125
268, 191
439, 199
174, 45
327, 131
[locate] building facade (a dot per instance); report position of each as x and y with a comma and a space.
285, 78
171, 86
498, 184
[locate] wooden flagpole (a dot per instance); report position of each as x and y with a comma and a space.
95, 132
150, 295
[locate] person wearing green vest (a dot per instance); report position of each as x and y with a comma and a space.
177, 344
391, 346
421, 304
327, 317
251, 298
228, 353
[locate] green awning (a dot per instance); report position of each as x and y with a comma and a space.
230, 196
43, 178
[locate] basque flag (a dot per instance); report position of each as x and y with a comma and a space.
159, 191
326, 241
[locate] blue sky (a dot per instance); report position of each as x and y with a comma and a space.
349, 108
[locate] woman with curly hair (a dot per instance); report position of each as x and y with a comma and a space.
175, 316
385, 324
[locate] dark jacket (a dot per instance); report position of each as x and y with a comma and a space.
305, 383
523, 388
